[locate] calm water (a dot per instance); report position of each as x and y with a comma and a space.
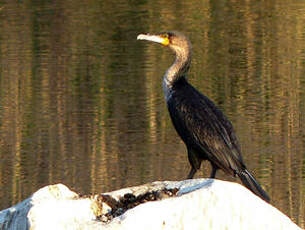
81, 100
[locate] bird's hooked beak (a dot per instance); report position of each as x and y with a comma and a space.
154, 38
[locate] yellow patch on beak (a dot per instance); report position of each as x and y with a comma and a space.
154, 38
165, 42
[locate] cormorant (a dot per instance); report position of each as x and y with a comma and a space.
205, 130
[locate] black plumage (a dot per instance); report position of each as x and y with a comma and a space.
205, 130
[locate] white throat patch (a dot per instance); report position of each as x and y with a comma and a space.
167, 88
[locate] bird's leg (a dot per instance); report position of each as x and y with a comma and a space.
195, 162
191, 173
213, 173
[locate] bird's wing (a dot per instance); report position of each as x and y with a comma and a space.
204, 127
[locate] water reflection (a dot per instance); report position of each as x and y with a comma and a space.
81, 101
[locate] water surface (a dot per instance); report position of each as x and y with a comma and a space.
81, 100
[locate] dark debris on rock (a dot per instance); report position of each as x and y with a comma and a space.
129, 201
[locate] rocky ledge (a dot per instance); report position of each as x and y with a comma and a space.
189, 204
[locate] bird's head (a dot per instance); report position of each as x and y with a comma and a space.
172, 39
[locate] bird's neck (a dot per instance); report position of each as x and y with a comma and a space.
177, 70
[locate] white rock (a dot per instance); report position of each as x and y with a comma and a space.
52, 207
200, 204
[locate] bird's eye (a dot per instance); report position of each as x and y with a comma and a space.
165, 35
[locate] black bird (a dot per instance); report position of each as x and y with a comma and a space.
205, 130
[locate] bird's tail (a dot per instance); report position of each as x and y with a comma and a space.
250, 182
